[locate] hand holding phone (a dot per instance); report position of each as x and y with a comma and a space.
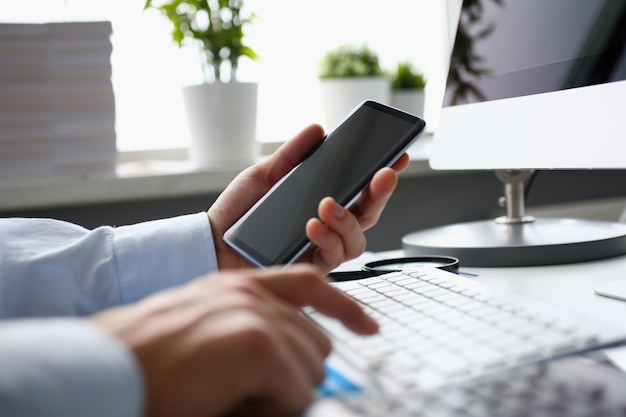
373, 136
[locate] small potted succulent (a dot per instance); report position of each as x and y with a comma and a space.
221, 111
407, 89
349, 75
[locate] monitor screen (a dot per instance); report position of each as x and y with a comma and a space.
535, 84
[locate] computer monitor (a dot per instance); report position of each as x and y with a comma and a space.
532, 85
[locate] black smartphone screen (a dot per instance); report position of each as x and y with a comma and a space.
272, 232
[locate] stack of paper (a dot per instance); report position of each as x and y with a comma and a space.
57, 108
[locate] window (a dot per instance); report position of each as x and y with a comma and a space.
290, 36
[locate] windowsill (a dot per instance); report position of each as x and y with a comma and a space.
149, 175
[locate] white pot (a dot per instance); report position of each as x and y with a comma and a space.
411, 101
341, 95
222, 124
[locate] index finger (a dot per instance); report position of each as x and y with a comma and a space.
304, 285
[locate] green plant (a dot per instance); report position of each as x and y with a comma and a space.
350, 61
407, 78
215, 26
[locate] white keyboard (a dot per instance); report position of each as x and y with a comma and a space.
572, 387
438, 328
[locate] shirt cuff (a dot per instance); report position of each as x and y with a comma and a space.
66, 368
155, 255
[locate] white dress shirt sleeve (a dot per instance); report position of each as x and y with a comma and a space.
67, 366
54, 268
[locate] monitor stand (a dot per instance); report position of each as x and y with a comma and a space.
516, 239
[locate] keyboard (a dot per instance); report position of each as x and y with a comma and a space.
572, 387
439, 328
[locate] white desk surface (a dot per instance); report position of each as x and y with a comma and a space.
570, 285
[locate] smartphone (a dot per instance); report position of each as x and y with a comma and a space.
372, 136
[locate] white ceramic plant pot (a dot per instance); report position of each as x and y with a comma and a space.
411, 101
341, 95
222, 122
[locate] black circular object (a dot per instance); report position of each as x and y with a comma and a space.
447, 263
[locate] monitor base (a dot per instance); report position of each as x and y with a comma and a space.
544, 241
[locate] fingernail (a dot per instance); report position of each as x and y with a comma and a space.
340, 212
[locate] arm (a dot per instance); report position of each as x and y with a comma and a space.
66, 368
53, 268
69, 367
234, 343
